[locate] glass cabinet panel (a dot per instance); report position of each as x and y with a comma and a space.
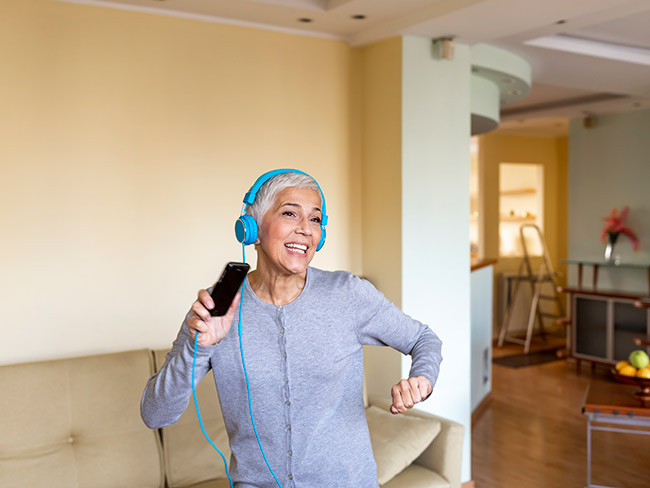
591, 327
629, 322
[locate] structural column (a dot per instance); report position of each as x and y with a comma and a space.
435, 216
415, 208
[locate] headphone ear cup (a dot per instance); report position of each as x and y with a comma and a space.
246, 230
322, 238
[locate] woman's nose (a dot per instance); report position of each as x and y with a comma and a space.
304, 227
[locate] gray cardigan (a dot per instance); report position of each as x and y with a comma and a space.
305, 367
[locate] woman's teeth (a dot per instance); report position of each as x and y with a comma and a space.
297, 247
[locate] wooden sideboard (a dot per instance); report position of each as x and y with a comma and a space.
605, 323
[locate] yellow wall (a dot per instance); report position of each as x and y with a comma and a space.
381, 143
381, 162
128, 141
553, 155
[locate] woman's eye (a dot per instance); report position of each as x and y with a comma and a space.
288, 213
316, 219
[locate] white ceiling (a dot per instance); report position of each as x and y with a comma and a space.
565, 84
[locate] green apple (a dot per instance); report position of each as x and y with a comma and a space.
639, 359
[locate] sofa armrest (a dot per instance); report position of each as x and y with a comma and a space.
444, 455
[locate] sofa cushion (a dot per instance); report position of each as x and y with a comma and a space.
75, 423
189, 457
416, 476
397, 440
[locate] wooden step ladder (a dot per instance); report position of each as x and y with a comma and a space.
544, 274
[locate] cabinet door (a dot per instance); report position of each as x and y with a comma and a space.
629, 322
590, 331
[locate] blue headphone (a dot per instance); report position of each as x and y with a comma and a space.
246, 227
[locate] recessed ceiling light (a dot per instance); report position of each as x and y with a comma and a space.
358, 17
305, 20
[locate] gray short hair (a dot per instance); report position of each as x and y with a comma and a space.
266, 195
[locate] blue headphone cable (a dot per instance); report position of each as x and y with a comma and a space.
248, 389
198, 412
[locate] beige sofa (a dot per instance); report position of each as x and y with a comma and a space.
76, 423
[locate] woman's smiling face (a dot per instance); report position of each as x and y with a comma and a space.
290, 231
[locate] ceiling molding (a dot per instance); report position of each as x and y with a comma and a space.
316, 5
560, 104
590, 47
204, 18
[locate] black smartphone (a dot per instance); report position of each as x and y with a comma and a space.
226, 287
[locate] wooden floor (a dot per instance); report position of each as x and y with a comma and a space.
532, 434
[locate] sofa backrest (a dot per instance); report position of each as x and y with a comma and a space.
189, 457
75, 423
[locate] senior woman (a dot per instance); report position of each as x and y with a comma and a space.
302, 330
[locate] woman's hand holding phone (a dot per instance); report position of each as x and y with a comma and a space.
211, 329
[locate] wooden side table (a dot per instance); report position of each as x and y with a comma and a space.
612, 407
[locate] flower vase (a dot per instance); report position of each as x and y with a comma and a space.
609, 248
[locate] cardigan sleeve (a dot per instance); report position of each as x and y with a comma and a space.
381, 322
168, 392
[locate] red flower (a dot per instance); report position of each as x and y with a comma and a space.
615, 226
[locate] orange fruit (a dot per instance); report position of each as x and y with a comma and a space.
621, 364
627, 371
643, 373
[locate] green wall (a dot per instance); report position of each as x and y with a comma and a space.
609, 167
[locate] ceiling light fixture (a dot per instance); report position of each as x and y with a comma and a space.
590, 121
588, 47
445, 46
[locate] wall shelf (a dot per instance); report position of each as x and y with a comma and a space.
518, 191
517, 218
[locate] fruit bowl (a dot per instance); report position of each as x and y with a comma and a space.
644, 383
